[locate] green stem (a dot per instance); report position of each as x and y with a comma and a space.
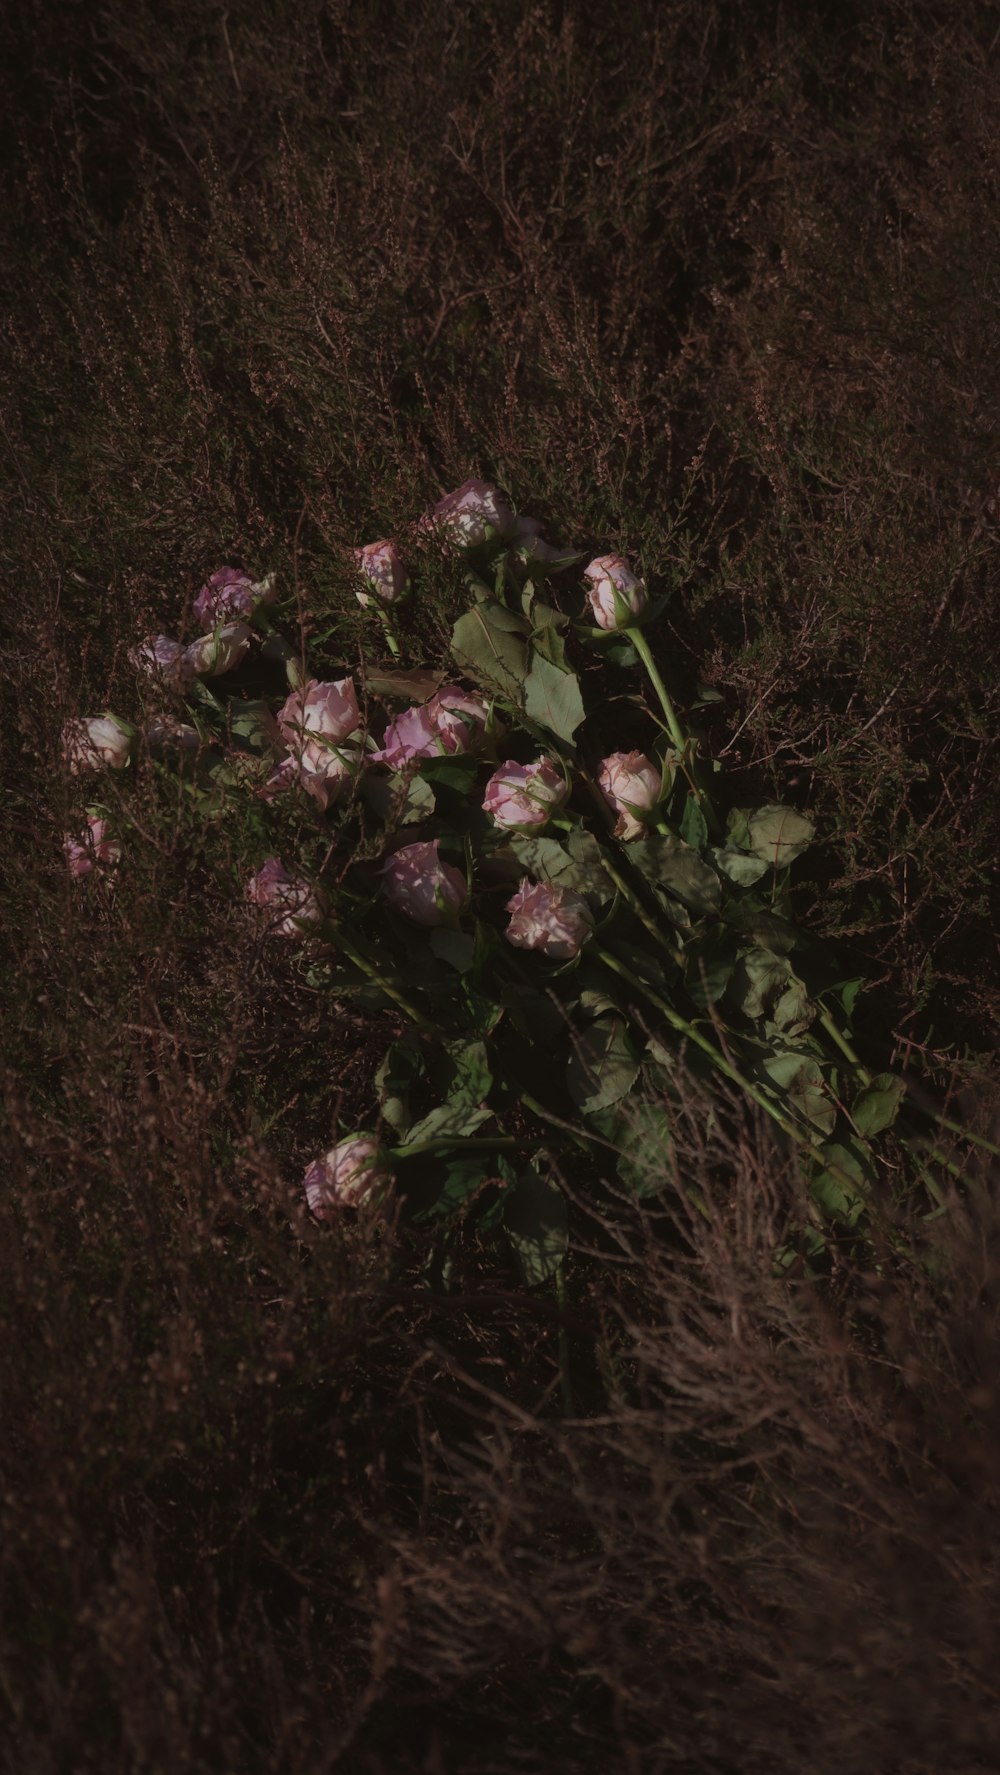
336, 936
565, 1380
840, 1040
676, 731
391, 641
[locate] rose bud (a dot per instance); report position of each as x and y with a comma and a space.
381, 567
416, 882
320, 714
522, 797
616, 596
554, 920
222, 651
230, 594
97, 741
632, 784
92, 848
294, 905
474, 513
164, 660
352, 1173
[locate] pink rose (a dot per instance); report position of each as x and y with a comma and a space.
92, 848
99, 740
352, 1173
552, 919
632, 784
323, 771
319, 716
164, 660
451, 721
295, 907
522, 797
221, 651
616, 596
416, 882
230, 594
381, 567
472, 514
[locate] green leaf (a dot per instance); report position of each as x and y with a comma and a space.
709, 964
252, 725
877, 1106
759, 981
801, 1079
642, 1133
672, 865
402, 1066
397, 800
472, 1079
490, 644
603, 1066
552, 696
535, 1016
694, 826
450, 1121
779, 834
793, 1011
737, 867
836, 1195
537, 1225
457, 771
455, 947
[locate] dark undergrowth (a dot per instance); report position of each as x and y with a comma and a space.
715, 286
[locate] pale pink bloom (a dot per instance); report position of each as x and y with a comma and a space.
554, 920
381, 567
324, 772
472, 514
632, 784
317, 717
92, 848
96, 741
616, 596
416, 882
525, 796
293, 904
230, 594
164, 660
221, 651
351, 1174
451, 721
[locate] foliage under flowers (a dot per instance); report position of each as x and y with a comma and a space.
649, 929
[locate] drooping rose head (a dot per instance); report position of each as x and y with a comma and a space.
93, 848
474, 513
451, 721
554, 920
616, 596
163, 660
382, 568
416, 882
632, 783
352, 1174
522, 797
230, 594
319, 714
293, 906
96, 741
221, 651
166, 735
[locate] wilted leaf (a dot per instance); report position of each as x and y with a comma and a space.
641, 1131
709, 964
413, 687
603, 1066
537, 1226
843, 1197
472, 1078
694, 826
738, 867
802, 1081
450, 1121
397, 800
759, 981
576, 863
402, 1066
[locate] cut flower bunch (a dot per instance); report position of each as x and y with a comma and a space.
551, 898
